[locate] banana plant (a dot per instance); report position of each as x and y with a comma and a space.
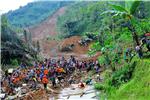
127, 12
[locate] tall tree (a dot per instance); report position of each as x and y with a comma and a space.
25, 35
127, 12
38, 46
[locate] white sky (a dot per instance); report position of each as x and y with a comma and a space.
6, 5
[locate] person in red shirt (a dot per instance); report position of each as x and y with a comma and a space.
81, 85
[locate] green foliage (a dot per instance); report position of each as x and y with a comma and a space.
125, 76
99, 86
84, 17
14, 62
145, 9
124, 83
122, 75
81, 17
4, 21
134, 6
108, 40
94, 47
13, 49
126, 11
102, 59
119, 8
143, 26
125, 36
33, 13
134, 88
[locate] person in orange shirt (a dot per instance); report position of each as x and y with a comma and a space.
57, 69
16, 81
45, 81
46, 72
60, 70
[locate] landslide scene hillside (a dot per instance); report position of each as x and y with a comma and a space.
59, 50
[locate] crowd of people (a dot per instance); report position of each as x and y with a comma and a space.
48, 71
55, 71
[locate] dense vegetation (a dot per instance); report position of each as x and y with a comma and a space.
33, 13
16, 41
120, 76
80, 17
13, 49
83, 17
118, 25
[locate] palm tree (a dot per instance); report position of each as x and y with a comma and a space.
127, 12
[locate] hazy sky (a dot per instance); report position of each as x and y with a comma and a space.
6, 5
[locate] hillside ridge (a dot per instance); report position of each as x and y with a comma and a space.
47, 27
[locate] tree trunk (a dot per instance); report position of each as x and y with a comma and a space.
133, 31
100, 39
134, 35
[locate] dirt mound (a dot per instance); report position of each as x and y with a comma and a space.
36, 95
45, 29
51, 48
77, 48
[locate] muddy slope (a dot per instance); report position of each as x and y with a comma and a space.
47, 27
51, 48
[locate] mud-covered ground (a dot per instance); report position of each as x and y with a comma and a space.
51, 49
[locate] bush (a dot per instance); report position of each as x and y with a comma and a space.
99, 86
14, 62
123, 75
101, 59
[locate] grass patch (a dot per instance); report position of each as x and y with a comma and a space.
135, 87
139, 87
99, 86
